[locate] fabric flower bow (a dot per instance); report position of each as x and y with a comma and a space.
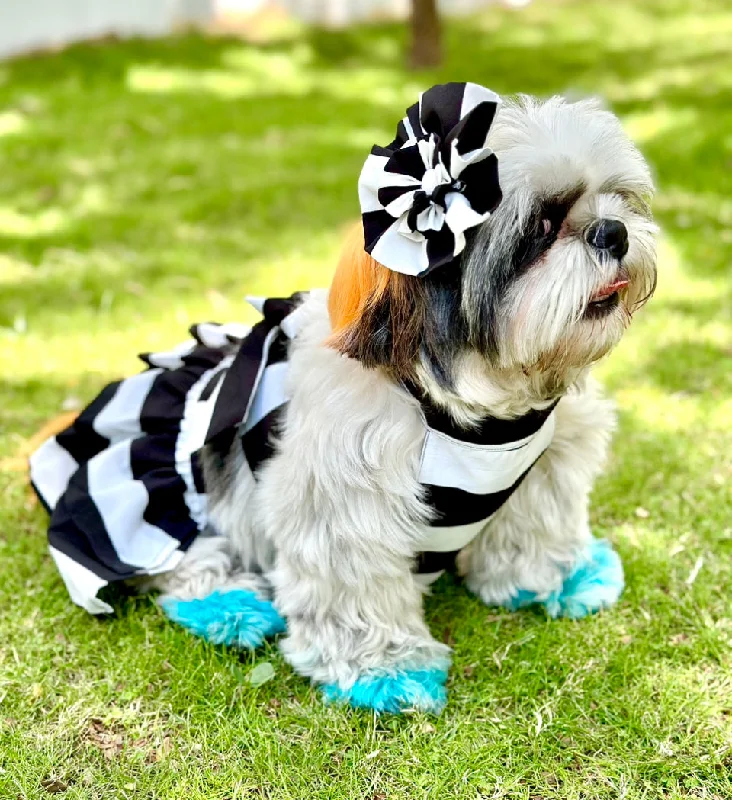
435, 181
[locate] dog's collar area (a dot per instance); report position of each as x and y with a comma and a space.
490, 431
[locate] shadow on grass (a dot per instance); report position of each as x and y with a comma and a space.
691, 368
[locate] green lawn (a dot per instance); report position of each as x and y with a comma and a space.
147, 185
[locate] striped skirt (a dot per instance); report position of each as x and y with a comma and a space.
123, 484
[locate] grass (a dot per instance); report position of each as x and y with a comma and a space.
145, 185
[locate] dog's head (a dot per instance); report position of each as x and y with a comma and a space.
544, 287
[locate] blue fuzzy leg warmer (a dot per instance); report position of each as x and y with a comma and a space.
240, 619
237, 618
595, 583
394, 691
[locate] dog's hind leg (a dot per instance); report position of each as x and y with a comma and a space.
237, 614
207, 565
210, 596
219, 591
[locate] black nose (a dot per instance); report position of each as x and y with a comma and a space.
609, 235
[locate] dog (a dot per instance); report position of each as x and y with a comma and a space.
456, 389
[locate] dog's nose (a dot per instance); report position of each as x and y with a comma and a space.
609, 235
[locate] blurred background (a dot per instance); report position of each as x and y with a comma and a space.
161, 159
39, 23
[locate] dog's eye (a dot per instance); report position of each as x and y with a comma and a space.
554, 211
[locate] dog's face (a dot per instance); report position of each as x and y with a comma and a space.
552, 279
546, 286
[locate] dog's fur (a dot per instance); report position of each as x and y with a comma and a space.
331, 527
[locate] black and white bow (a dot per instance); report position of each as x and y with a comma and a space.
435, 181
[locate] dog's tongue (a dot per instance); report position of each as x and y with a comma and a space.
620, 283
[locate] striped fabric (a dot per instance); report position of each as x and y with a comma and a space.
469, 475
436, 180
124, 485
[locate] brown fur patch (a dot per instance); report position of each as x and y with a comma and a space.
377, 315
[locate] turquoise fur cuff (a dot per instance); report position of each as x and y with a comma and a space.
595, 583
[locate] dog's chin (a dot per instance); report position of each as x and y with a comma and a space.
576, 335
592, 337
511, 387
602, 306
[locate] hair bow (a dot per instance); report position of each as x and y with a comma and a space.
435, 181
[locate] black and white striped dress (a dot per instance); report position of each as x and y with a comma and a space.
125, 490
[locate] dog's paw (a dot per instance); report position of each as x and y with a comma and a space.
596, 582
396, 690
238, 618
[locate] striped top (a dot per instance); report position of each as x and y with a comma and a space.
125, 490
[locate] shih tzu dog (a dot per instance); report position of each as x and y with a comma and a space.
434, 409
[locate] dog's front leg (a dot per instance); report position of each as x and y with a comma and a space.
538, 548
340, 503
355, 627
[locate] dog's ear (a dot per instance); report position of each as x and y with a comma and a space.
377, 315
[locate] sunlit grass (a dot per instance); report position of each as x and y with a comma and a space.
148, 185
13, 223
11, 122
254, 74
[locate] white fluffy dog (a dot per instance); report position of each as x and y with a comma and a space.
392, 379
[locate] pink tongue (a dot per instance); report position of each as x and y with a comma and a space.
611, 288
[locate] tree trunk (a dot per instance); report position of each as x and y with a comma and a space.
426, 35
